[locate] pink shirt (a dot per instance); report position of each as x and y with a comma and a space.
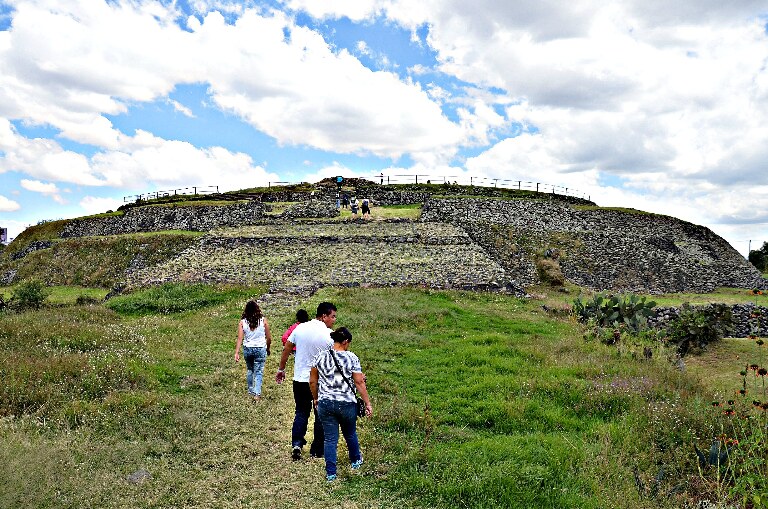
288, 333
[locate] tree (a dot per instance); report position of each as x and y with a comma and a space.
759, 257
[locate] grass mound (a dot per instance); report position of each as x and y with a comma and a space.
175, 298
99, 261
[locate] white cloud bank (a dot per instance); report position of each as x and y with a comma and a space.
670, 101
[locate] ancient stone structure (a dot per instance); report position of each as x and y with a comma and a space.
599, 249
486, 242
160, 218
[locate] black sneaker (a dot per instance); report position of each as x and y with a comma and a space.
296, 453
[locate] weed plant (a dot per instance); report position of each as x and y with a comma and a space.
740, 436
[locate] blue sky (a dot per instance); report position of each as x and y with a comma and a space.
656, 107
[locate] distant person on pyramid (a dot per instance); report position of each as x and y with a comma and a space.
254, 337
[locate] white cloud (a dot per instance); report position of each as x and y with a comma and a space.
39, 187
94, 205
145, 161
356, 10
301, 92
71, 65
49, 189
8, 205
177, 106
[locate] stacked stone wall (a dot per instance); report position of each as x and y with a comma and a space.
747, 319
154, 218
600, 249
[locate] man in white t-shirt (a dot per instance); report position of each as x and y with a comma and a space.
309, 338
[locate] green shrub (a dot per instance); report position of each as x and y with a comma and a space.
612, 311
758, 259
695, 327
29, 295
549, 272
83, 300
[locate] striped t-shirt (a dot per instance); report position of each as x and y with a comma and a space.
330, 384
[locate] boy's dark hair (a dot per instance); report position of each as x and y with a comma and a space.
325, 308
302, 316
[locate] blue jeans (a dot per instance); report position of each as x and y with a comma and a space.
334, 414
255, 357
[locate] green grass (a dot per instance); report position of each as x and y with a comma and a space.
99, 261
386, 212
279, 207
175, 298
480, 400
722, 295
616, 209
50, 230
63, 295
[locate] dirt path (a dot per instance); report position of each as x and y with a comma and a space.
240, 455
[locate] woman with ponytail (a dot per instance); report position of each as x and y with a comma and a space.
254, 337
331, 382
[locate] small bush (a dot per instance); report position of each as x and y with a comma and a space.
83, 300
695, 328
29, 295
549, 272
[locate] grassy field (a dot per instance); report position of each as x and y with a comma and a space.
480, 400
721, 295
377, 212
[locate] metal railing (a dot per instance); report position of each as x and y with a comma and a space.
520, 185
194, 190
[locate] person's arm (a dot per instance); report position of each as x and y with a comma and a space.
239, 341
314, 376
280, 376
359, 379
268, 335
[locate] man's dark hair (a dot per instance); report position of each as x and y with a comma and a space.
325, 308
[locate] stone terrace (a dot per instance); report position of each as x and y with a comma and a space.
375, 253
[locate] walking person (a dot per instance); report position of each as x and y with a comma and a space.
366, 206
353, 205
254, 337
301, 317
335, 399
309, 338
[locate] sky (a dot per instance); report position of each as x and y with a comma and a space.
658, 106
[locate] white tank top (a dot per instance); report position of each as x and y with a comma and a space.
255, 338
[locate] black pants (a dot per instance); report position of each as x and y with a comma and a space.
303, 398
